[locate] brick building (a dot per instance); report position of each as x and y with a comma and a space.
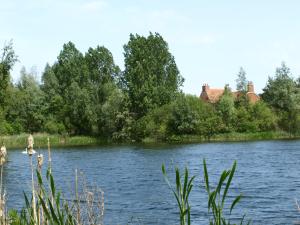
213, 95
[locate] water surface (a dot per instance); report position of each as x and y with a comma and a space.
268, 175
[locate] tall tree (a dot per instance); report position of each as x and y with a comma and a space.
77, 86
70, 67
7, 61
283, 94
241, 81
101, 65
151, 76
241, 87
28, 105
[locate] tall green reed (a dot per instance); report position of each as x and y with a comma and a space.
181, 192
217, 197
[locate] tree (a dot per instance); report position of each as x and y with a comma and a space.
225, 108
100, 62
7, 61
241, 81
151, 76
262, 115
80, 114
77, 86
27, 108
243, 122
283, 94
186, 115
70, 67
279, 89
115, 121
189, 115
241, 86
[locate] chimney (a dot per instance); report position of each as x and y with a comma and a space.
250, 87
205, 87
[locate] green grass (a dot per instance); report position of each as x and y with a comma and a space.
40, 140
20, 141
272, 135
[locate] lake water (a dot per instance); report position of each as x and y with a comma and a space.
268, 175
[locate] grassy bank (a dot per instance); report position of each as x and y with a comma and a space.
20, 141
274, 135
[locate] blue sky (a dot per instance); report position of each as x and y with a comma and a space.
210, 40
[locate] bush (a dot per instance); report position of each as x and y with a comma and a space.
6, 128
53, 127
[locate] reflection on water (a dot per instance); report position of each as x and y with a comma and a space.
268, 175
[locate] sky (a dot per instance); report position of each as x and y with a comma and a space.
210, 40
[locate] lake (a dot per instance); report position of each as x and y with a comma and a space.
268, 175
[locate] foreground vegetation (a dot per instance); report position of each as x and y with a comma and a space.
87, 94
47, 205
218, 213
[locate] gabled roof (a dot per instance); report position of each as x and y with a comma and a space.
214, 94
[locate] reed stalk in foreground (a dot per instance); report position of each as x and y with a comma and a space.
49, 154
86, 208
30, 152
218, 196
3, 154
90, 200
181, 193
40, 214
49, 163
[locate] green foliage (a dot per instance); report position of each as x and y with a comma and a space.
53, 127
29, 105
115, 121
283, 94
279, 90
77, 87
241, 81
7, 60
211, 125
87, 94
6, 128
191, 116
263, 117
243, 120
151, 75
155, 124
186, 112
181, 192
226, 110
218, 196
101, 65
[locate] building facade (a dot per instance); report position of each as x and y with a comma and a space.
213, 95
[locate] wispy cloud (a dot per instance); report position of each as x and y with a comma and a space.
94, 6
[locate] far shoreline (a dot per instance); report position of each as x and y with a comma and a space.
19, 141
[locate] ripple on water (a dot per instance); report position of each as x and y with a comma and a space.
268, 175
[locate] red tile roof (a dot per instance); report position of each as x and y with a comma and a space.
213, 95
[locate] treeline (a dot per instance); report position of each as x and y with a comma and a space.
88, 94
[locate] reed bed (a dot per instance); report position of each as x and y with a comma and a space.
233, 136
41, 140
46, 205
